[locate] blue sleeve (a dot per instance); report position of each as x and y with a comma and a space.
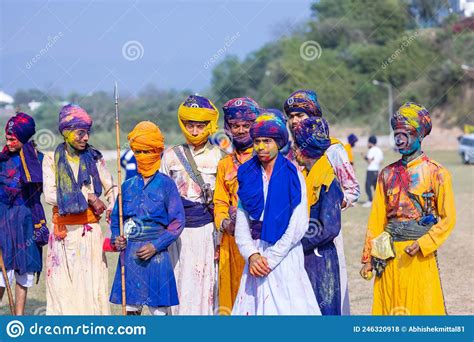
123, 160
324, 228
176, 218
114, 223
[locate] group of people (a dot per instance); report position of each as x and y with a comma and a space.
256, 231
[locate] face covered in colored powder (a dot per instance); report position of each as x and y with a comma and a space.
240, 129
13, 144
77, 138
294, 118
265, 148
407, 139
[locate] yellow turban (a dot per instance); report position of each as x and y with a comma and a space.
146, 136
198, 108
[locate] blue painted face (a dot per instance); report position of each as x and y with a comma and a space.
407, 139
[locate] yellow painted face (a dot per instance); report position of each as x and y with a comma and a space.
265, 148
77, 138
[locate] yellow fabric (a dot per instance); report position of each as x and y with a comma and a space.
320, 174
146, 136
411, 285
335, 141
198, 114
348, 149
231, 263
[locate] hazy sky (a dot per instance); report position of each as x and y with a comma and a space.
87, 45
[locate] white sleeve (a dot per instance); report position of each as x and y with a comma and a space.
49, 179
297, 228
163, 166
246, 244
344, 171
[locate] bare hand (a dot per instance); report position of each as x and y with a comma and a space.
364, 271
108, 213
120, 243
343, 204
146, 252
96, 203
258, 266
229, 226
217, 253
233, 213
413, 248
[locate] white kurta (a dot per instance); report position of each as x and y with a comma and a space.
193, 252
287, 289
76, 267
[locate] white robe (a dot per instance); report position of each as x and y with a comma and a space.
287, 289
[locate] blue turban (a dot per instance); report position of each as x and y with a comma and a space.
240, 109
303, 101
267, 125
22, 126
312, 137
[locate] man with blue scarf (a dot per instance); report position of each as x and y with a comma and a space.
272, 218
75, 177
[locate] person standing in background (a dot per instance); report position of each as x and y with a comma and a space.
374, 158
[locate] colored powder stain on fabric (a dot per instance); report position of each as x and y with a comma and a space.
415, 179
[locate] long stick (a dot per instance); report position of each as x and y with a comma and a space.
7, 284
119, 198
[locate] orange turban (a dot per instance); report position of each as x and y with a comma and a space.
147, 137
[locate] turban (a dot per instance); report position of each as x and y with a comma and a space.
198, 108
72, 117
312, 137
268, 125
303, 101
285, 149
373, 139
240, 109
146, 136
22, 126
413, 115
352, 139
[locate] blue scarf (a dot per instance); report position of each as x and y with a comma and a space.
69, 196
284, 194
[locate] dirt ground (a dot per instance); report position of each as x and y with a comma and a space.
455, 258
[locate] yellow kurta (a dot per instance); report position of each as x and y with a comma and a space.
411, 285
350, 154
231, 263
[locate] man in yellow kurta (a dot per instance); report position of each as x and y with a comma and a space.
413, 211
239, 114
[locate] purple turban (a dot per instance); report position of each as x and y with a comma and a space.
72, 117
312, 137
267, 125
303, 101
240, 109
22, 126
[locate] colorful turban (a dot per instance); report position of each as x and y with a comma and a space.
414, 115
268, 125
303, 101
240, 109
146, 136
22, 126
72, 117
198, 108
312, 137
287, 148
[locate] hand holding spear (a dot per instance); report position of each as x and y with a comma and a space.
119, 198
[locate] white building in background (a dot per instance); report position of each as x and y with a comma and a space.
34, 105
5, 99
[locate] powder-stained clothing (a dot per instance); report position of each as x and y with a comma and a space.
411, 284
286, 290
76, 268
231, 263
20, 251
321, 257
345, 174
193, 252
158, 218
